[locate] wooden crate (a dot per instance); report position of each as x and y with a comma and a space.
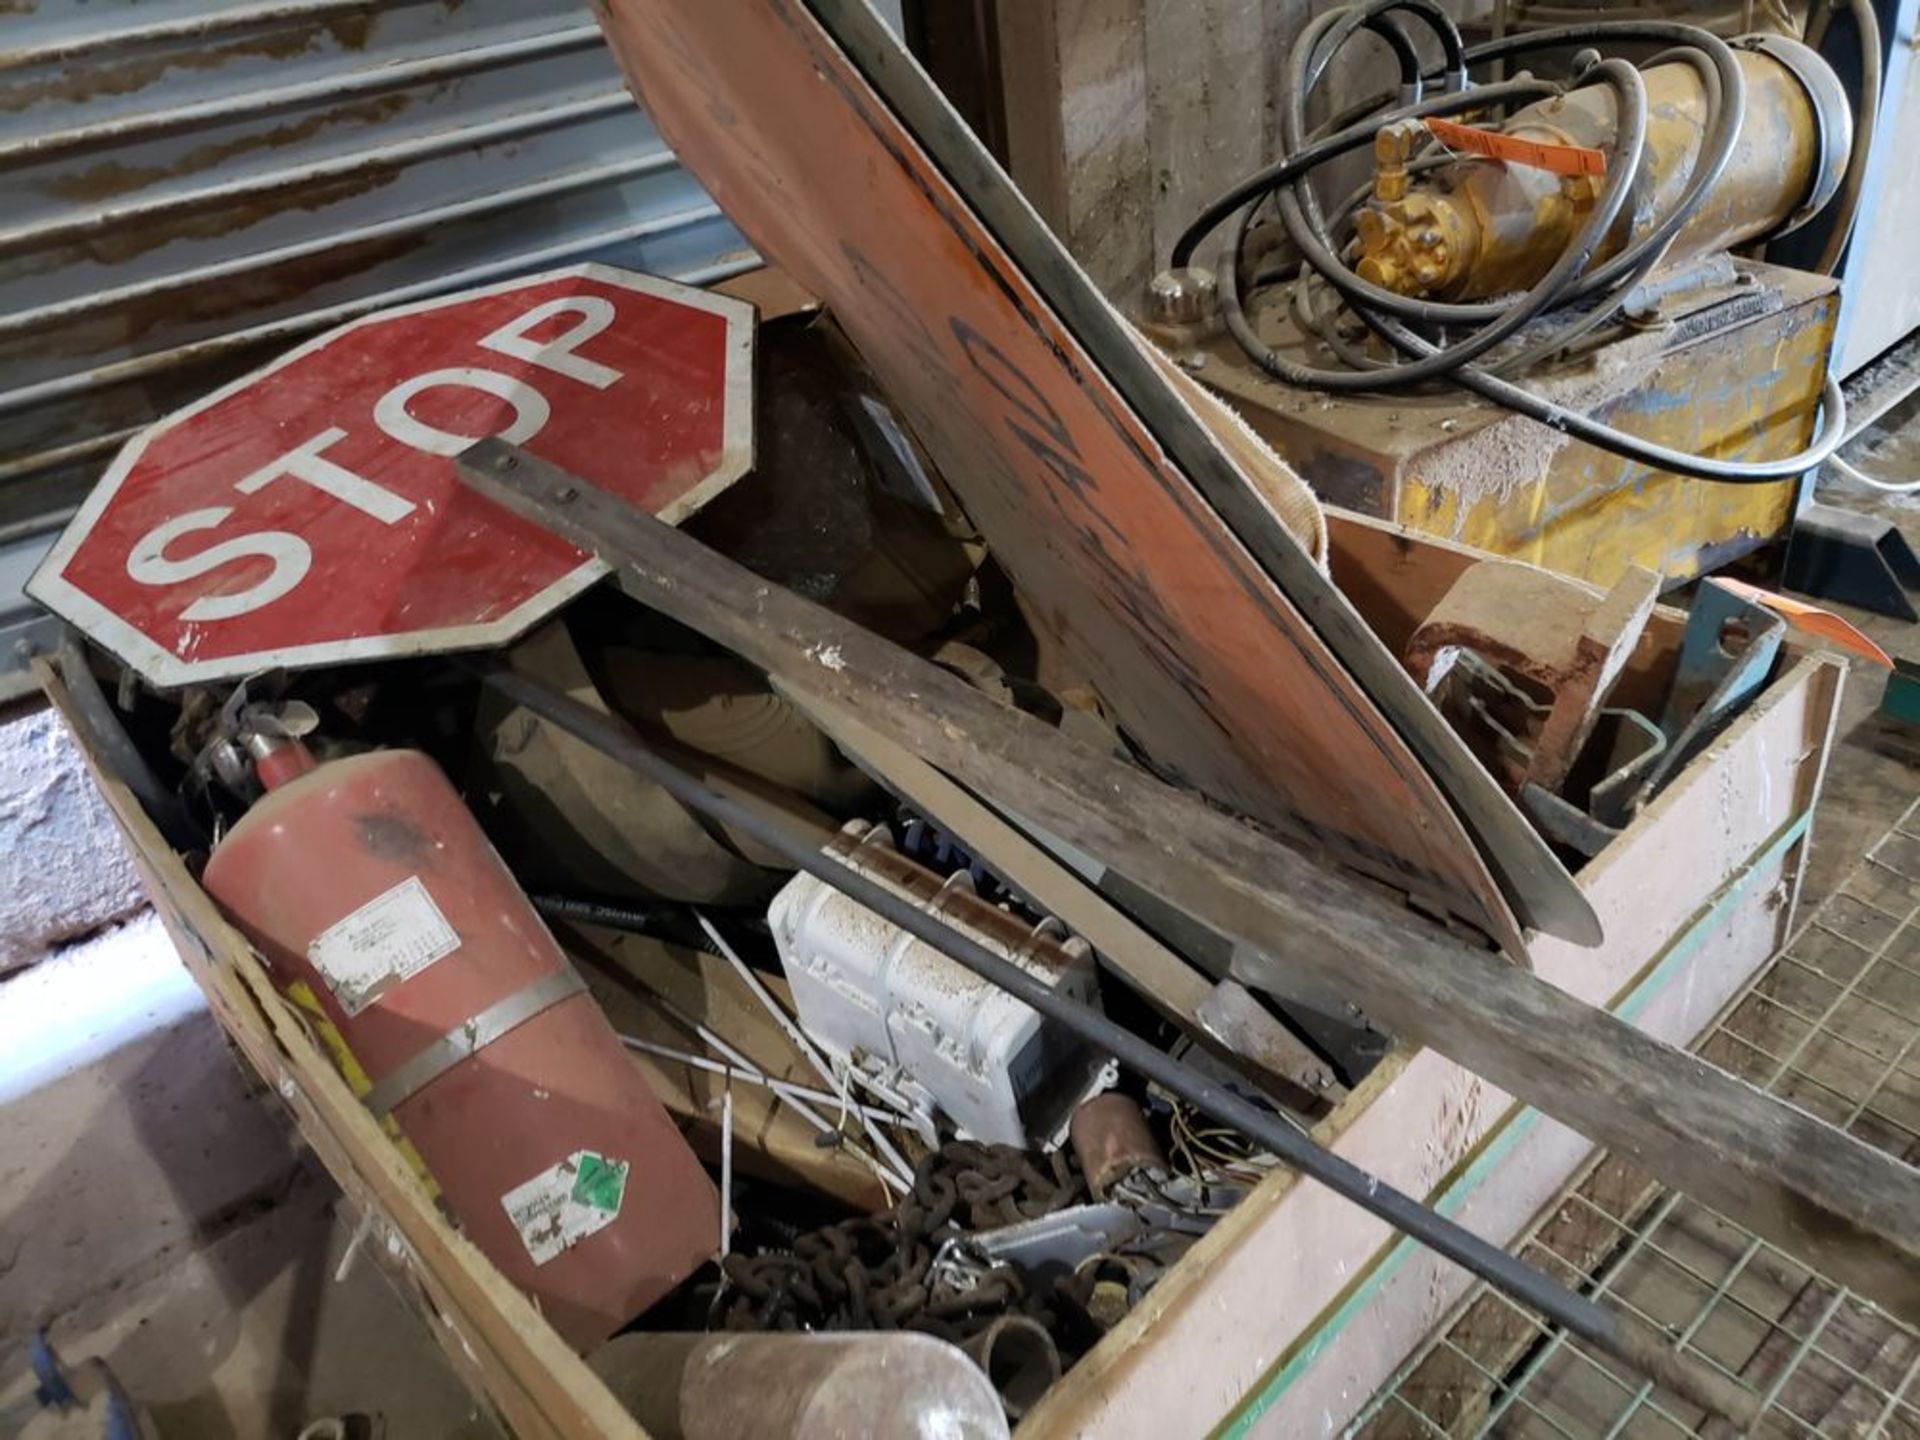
1288, 1315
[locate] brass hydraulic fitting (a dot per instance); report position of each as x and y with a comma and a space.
1412, 245
1393, 147
1479, 226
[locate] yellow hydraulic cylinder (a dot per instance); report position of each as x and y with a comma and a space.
1478, 227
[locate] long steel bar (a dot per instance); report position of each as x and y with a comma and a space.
1638, 1346
1823, 1195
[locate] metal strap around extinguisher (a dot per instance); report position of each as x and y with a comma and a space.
470, 1037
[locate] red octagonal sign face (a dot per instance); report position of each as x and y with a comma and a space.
310, 514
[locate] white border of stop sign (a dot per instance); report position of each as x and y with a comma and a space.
562, 360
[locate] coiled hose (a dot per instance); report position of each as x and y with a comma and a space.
1412, 326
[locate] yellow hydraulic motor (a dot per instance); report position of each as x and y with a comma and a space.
1477, 226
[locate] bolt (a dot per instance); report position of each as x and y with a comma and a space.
1181, 297
505, 462
565, 494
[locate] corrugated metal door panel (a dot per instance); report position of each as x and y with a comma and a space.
192, 186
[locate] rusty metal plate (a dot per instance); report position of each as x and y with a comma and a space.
1094, 483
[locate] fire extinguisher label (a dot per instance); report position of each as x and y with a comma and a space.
564, 1204
391, 937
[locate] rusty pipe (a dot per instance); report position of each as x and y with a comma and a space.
1111, 1140
683, 1386
1018, 1358
1479, 227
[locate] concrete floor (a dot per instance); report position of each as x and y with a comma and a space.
157, 1213
62, 872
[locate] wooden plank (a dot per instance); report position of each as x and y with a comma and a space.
493, 1335
1397, 576
1175, 989
1803, 1184
1096, 485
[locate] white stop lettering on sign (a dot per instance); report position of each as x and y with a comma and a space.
311, 513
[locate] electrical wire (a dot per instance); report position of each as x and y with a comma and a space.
1425, 332
1860, 477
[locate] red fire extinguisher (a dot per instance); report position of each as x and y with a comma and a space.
367, 879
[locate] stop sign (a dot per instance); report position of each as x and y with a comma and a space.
309, 513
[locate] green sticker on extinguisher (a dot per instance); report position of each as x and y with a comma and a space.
567, 1202
600, 1182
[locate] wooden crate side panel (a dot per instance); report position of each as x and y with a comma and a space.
1517, 1170
1216, 1315
1745, 788
493, 1335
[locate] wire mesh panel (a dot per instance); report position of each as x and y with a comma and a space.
1832, 1024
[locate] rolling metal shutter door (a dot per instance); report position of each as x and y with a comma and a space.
192, 186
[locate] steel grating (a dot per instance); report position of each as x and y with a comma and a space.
1831, 1024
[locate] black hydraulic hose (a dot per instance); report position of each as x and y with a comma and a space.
1550, 288
1365, 14
1383, 311
1354, 137
1833, 409
1408, 58
1725, 103
1833, 431
1725, 88
1638, 1346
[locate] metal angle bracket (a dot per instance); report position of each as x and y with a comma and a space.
1856, 559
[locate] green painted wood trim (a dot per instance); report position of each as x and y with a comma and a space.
1500, 1141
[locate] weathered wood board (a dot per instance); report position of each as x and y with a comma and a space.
1221, 646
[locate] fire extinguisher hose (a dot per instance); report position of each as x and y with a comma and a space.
1631, 1341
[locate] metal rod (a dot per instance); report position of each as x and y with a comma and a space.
900, 1179
784, 1089
806, 1112
1639, 1346
806, 1047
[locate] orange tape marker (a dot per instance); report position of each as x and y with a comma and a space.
1560, 159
